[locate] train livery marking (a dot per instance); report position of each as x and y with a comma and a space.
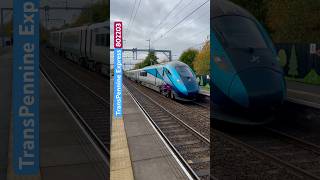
173, 79
117, 92
26, 88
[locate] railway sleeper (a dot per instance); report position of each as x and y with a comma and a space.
182, 136
195, 150
186, 143
175, 126
198, 161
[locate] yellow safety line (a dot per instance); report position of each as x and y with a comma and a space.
120, 162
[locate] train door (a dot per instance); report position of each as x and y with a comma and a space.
159, 81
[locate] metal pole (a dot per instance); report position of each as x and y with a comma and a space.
149, 43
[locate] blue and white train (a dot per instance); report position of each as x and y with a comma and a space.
174, 79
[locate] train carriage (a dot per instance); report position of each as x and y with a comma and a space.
173, 79
86, 45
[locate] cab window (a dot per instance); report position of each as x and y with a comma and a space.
143, 73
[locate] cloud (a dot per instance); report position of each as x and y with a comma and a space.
190, 33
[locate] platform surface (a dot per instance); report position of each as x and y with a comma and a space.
304, 93
65, 151
5, 108
150, 157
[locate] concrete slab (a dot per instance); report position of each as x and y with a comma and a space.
70, 172
50, 139
137, 126
148, 146
62, 155
157, 169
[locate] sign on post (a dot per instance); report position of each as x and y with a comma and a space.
117, 85
26, 87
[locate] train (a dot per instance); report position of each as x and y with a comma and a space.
87, 45
174, 79
244, 64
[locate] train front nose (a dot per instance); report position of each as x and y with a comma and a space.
258, 88
191, 88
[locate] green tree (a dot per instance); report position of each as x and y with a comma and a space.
202, 62
283, 57
188, 57
293, 64
294, 21
151, 59
257, 7
97, 12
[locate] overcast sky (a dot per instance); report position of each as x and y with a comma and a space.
190, 33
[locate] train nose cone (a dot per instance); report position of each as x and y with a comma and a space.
190, 85
256, 88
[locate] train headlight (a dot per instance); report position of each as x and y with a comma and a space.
218, 59
221, 63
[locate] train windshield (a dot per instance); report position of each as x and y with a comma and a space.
184, 71
239, 32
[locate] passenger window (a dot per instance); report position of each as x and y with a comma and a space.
168, 72
143, 73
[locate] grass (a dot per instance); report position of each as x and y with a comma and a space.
311, 78
206, 88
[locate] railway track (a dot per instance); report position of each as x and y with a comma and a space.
290, 152
90, 108
188, 144
281, 146
192, 114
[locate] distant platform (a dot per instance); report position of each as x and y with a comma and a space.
204, 92
305, 94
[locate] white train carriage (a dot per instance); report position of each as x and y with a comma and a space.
86, 45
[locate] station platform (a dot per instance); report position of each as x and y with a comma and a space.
304, 93
149, 156
66, 152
